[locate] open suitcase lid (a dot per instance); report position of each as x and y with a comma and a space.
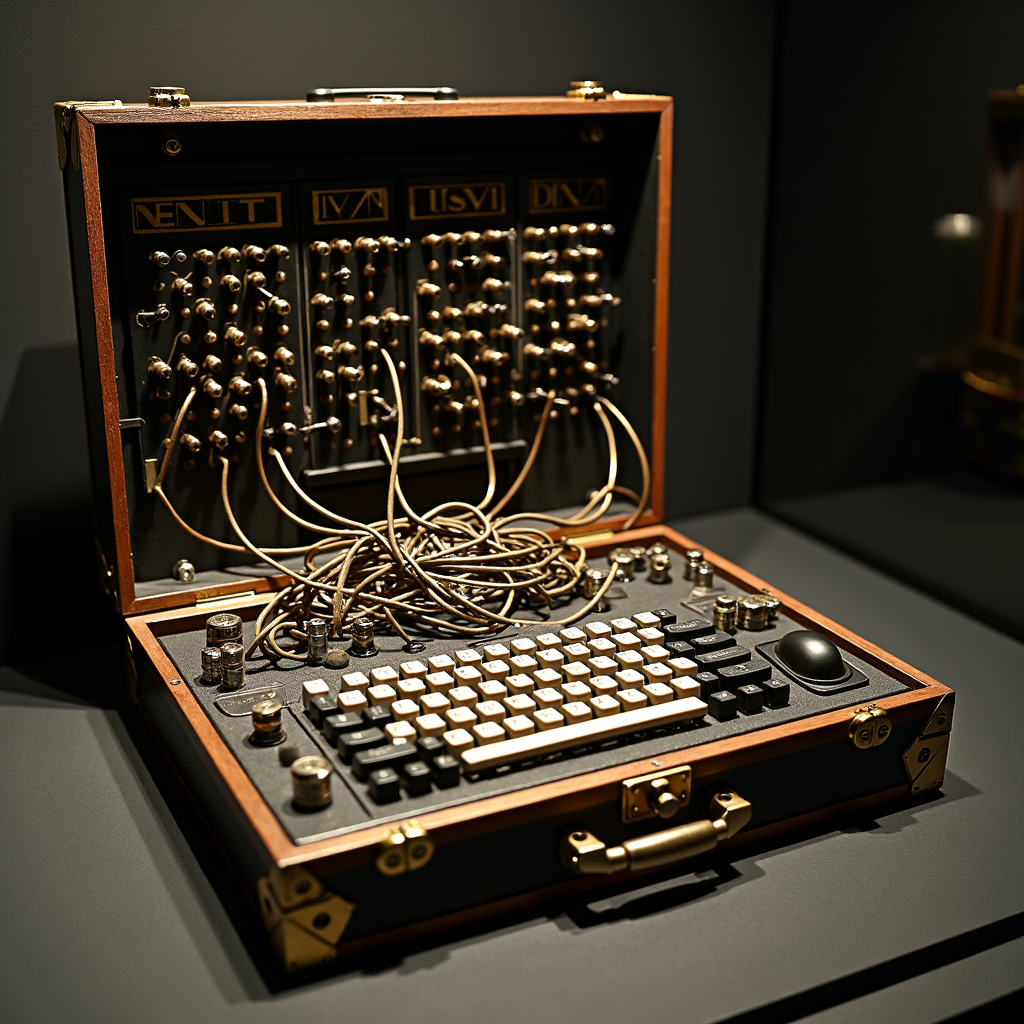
190, 182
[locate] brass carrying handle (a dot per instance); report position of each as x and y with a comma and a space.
587, 855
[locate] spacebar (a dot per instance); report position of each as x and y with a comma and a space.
537, 744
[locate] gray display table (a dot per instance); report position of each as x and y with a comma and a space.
911, 915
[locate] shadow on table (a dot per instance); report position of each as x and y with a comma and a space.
227, 928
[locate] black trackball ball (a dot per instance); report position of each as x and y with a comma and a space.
811, 656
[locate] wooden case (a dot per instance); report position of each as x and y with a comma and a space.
502, 846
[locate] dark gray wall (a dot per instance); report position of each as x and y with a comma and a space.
880, 129
714, 57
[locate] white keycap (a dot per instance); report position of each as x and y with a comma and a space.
518, 725
603, 666
547, 677
548, 642
576, 691
430, 725
353, 700
488, 732
602, 646
572, 635
651, 636
576, 673
523, 645
469, 657
627, 642
435, 703
520, 684
576, 652
576, 711
644, 620
467, 675
520, 704
603, 684
655, 653
405, 710
657, 672
604, 704
440, 682
355, 681
313, 689
685, 686
622, 625
631, 699
463, 696
413, 670
495, 670
630, 659
550, 659
440, 663
458, 740
385, 675
411, 689
523, 663
497, 652
491, 689
460, 717
490, 711
401, 731
682, 666
596, 630
659, 693
629, 678
382, 696
548, 697
548, 718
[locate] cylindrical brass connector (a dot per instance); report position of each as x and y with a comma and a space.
267, 723
316, 641
311, 782
233, 662
724, 613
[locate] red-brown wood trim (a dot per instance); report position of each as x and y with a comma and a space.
265, 825
578, 886
661, 297
299, 110
105, 354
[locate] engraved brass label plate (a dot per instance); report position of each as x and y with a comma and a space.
567, 195
239, 705
477, 199
350, 205
176, 214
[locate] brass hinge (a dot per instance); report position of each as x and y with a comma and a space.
67, 132
925, 758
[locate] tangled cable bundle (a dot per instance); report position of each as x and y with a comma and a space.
457, 570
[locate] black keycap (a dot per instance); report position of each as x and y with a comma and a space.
429, 746
394, 755
416, 778
688, 630
445, 770
334, 725
350, 743
709, 683
384, 785
319, 708
757, 670
679, 649
722, 705
751, 698
377, 715
776, 693
713, 642
714, 660
667, 617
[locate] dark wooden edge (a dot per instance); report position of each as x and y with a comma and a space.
300, 110
461, 822
88, 117
580, 886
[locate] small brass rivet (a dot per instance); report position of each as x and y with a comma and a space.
321, 920
924, 755
302, 885
175, 682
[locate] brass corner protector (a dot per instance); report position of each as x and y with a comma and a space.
304, 920
67, 131
925, 758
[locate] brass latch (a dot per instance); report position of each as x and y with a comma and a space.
586, 90
870, 727
657, 795
925, 758
303, 918
405, 848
